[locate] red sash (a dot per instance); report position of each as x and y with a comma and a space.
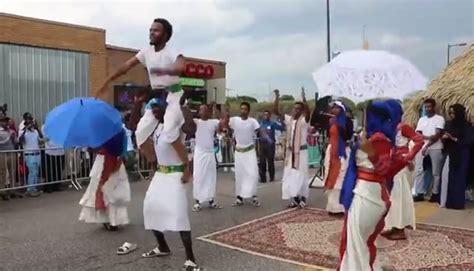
111, 165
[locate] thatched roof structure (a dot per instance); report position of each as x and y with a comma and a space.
454, 85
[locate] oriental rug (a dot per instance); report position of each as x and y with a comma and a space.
309, 237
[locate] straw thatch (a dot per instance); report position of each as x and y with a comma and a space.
454, 85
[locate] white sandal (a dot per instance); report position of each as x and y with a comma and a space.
197, 207
126, 248
215, 205
156, 252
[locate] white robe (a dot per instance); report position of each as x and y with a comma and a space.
246, 174
204, 175
165, 207
295, 182
402, 208
333, 205
116, 193
364, 222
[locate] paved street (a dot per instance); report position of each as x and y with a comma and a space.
44, 233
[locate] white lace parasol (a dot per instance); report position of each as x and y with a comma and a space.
364, 74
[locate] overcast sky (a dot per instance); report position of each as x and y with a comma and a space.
275, 44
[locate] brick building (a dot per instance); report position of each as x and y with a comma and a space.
44, 63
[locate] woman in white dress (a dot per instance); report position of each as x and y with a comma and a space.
335, 160
105, 200
402, 209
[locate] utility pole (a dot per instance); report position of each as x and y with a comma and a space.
328, 25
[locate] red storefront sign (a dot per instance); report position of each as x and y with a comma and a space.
199, 70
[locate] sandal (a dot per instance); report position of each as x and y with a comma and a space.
126, 248
191, 266
109, 227
256, 202
155, 253
214, 205
302, 205
197, 207
292, 204
237, 202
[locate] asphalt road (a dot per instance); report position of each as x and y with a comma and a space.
44, 233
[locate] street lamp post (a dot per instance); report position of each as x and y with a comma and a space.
454, 45
328, 30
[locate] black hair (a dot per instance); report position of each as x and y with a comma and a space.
459, 112
166, 26
430, 101
246, 104
300, 103
267, 111
26, 115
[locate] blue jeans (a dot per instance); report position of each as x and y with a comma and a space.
32, 163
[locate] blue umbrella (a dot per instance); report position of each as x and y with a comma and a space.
82, 122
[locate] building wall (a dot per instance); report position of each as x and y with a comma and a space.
48, 34
84, 43
35, 80
136, 76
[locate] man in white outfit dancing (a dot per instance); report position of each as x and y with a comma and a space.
295, 185
245, 156
205, 168
165, 207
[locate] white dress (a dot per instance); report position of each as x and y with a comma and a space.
165, 207
402, 209
295, 182
116, 193
205, 171
364, 221
333, 205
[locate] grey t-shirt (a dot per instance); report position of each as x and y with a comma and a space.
6, 143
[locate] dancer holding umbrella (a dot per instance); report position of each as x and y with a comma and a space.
87, 122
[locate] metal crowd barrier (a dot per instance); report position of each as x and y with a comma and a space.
43, 168
28, 170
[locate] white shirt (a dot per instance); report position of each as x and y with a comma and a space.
128, 133
244, 130
428, 127
31, 140
304, 129
164, 58
168, 133
21, 126
52, 148
165, 153
205, 131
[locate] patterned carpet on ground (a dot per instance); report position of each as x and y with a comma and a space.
310, 237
